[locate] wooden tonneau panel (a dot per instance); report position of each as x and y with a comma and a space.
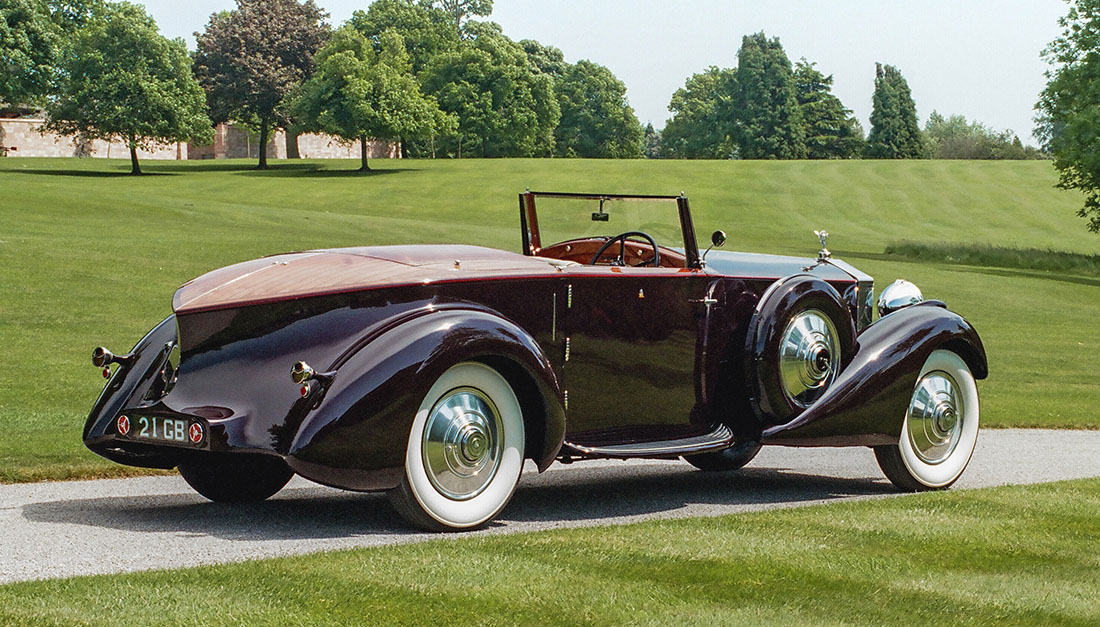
317, 272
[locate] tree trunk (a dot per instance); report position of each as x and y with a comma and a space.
134, 167
263, 146
363, 154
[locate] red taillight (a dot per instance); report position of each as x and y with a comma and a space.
305, 390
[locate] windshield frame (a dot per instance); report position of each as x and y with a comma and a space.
529, 223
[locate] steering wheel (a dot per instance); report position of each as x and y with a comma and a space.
655, 261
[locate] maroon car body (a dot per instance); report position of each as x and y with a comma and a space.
604, 360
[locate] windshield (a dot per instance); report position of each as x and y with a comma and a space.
563, 219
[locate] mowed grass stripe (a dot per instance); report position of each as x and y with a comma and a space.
1018, 555
92, 256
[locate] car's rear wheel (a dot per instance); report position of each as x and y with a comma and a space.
940, 428
465, 451
236, 478
732, 458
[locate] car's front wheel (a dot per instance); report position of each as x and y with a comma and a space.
940, 428
236, 478
465, 451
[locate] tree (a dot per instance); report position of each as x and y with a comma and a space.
34, 35
596, 120
701, 124
460, 10
955, 138
249, 59
768, 119
651, 142
28, 51
545, 59
895, 132
1069, 106
832, 132
504, 109
426, 30
121, 78
357, 93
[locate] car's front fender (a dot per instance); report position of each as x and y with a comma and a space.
868, 401
356, 436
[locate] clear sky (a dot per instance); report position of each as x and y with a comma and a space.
978, 58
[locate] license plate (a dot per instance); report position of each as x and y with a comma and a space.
161, 429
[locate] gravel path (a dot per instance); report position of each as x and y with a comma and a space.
84, 527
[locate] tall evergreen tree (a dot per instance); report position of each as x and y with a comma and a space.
651, 142
895, 132
832, 132
596, 120
769, 122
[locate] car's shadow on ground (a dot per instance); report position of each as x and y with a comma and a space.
555, 497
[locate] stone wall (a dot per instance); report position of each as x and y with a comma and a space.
315, 146
21, 138
233, 142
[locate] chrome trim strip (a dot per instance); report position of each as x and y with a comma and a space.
720, 438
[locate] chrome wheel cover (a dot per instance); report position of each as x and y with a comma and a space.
462, 443
935, 419
809, 356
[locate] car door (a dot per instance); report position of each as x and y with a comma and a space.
633, 344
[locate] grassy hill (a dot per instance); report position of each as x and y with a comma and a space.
91, 256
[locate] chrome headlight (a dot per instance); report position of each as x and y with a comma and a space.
898, 295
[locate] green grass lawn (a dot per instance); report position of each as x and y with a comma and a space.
1020, 555
92, 256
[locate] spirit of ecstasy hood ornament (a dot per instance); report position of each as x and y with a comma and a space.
824, 253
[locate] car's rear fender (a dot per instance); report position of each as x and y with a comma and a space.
867, 402
356, 436
131, 380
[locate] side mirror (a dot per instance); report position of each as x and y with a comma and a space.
717, 238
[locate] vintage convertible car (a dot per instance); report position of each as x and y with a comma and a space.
433, 372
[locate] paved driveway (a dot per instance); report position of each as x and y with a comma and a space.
84, 527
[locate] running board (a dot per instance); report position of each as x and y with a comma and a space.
720, 438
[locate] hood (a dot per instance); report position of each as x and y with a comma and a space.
756, 265
330, 271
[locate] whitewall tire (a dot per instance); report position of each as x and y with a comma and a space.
940, 428
465, 451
